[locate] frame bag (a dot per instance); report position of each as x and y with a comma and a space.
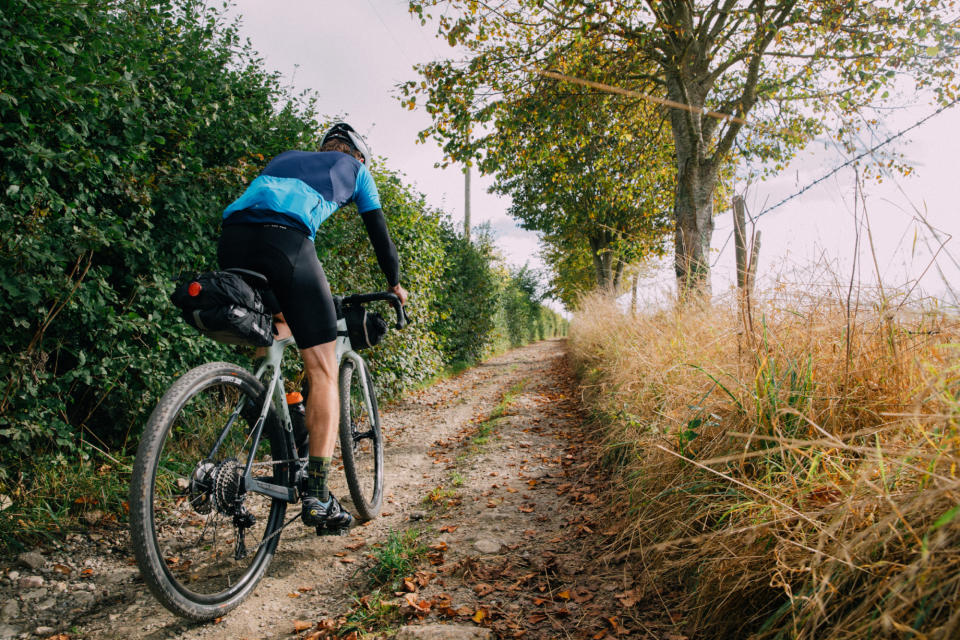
223, 307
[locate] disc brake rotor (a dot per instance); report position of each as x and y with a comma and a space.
201, 482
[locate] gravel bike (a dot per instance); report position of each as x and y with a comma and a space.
218, 464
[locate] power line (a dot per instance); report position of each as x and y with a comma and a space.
389, 31
672, 104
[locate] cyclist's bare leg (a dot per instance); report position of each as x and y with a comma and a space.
323, 406
320, 508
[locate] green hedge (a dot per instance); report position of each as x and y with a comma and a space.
126, 128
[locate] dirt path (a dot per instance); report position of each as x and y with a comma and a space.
504, 511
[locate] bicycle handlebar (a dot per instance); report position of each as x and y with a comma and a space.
361, 298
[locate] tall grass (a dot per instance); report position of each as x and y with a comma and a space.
793, 470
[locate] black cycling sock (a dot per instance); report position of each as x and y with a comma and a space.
318, 468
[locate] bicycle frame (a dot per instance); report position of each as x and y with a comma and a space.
271, 368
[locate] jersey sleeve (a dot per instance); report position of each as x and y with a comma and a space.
383, 246
366, 195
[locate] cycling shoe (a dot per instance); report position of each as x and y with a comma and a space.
328, 517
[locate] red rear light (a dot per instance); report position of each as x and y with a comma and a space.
194, 289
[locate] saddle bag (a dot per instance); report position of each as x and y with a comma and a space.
223, 307
365, 328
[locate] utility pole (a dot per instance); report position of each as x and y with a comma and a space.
466, 202
466, 194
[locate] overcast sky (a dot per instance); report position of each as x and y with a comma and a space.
353, 55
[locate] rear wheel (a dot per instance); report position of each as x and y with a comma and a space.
202, 542
361, 440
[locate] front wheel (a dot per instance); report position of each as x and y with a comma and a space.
361, 439
201, 540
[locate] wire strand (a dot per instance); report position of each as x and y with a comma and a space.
858, 157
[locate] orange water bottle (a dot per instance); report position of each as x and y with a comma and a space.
298, 416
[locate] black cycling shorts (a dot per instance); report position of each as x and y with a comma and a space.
289, 260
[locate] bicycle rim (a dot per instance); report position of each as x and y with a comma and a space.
202, 551
361, 441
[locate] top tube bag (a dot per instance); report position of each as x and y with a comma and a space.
223, 307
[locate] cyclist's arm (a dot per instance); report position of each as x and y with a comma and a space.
368, 204
383, 246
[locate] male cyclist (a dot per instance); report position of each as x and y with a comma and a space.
270, 229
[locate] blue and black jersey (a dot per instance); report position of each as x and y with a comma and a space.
302, 189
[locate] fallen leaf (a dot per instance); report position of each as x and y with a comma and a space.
628, 598
564, 594
409, 585
293, 594
479, 616
582, 595
450, 528
301, 625
417, 604
424, 578
304, 589
62, 568
483, 589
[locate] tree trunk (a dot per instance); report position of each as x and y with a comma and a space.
693, 216
696, 182
606, 268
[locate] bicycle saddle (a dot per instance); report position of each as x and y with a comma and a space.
254, 279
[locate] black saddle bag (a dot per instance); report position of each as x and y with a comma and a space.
222, 306
365, 328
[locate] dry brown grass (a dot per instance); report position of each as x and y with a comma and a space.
796, 481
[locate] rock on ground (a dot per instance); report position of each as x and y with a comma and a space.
487, 545
32, 560
443, 632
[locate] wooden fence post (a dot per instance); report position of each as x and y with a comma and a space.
740, 241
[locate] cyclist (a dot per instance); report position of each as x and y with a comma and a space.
270, 229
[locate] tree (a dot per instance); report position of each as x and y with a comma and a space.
793, 66
588, 170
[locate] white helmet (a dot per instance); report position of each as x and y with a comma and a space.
343, 131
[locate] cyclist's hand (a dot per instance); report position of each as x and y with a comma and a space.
400, 292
